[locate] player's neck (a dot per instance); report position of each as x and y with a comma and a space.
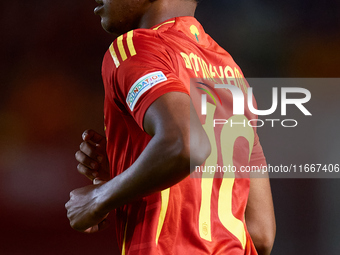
164, 10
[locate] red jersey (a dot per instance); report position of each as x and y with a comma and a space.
197, 215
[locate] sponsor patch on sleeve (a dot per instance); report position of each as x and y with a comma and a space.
142, 85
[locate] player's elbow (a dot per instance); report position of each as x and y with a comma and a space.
264, 242
196, 149
265, 247
200, 149
191, 150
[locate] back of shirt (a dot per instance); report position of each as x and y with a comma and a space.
203, 214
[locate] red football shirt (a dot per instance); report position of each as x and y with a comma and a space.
201, 214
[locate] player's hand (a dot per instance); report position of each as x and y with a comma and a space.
82, 209
92, 157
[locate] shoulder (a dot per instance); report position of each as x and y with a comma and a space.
137, 45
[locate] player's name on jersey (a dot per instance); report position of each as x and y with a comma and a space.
208, 71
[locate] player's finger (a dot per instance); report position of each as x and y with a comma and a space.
91, 230
89, 173
91, 151
91, 135
85, 160
101, 226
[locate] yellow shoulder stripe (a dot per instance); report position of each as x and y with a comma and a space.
122, 54
114, 55
121, 47
130, 43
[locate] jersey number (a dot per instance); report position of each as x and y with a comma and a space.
229, 134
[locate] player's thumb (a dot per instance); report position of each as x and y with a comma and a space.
97, 181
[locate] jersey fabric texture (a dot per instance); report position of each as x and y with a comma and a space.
199, 215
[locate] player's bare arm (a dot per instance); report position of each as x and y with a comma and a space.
164, 162
260, 218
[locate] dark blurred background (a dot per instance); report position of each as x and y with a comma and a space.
51, 91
